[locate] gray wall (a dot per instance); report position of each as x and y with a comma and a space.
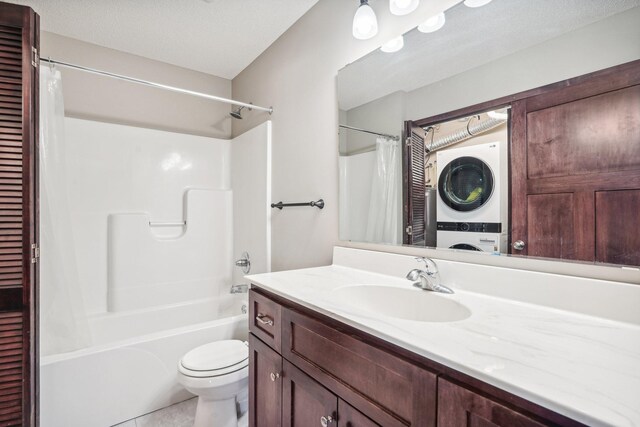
88, 96
297, 75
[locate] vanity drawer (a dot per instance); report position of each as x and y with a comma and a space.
390, 390
265, 319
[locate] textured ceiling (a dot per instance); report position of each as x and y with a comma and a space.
470, 38
219, 37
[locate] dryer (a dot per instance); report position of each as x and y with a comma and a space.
470, 182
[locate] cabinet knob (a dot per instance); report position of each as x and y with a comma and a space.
274, 376
518, 245
325, 421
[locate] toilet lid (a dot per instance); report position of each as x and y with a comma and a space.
218, 355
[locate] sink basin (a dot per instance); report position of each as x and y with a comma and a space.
407, 304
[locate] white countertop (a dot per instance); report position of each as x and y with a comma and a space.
584, 367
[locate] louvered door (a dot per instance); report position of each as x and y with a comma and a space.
413, 155
18, 135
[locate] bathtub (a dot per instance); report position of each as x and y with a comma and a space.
130, 369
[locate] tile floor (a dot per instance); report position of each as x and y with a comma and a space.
179, 415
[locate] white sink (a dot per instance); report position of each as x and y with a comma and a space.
408, 304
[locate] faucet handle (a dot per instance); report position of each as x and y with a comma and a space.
430, 264
414, 274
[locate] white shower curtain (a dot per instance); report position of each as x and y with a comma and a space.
63, 321
383, 223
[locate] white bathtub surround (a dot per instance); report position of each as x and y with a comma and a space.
355, 194
251, 183
116, 169
167, 302
146, 270
569, 344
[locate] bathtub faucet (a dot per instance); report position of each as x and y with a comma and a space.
239, 289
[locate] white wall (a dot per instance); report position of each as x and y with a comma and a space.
297, 75
251, 184
122, 169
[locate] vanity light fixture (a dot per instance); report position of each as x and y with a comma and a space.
432, 24
403, 7
476, 3
365, 23
393, 45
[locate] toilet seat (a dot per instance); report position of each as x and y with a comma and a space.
215, 359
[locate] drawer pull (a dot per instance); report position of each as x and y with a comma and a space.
264, 319
274, 376
325, 421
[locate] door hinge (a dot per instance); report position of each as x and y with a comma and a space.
35, 253
34, 59
409, 230
409, 142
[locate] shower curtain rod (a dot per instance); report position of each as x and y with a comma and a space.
156, 85
395, 138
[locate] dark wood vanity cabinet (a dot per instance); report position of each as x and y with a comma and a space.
283, 395
309, 370
458, 407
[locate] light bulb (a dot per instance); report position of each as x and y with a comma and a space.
432, 24
393, 45
476, 3
403, 7
365, 24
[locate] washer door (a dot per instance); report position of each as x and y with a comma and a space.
465, 184
466, 247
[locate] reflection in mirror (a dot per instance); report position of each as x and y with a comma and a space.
412, 173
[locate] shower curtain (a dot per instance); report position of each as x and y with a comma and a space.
63, 322
383, 223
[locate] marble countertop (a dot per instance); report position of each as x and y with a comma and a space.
584, 367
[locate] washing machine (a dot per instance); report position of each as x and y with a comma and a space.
471, 241
470, 182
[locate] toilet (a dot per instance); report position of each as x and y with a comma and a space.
218, 373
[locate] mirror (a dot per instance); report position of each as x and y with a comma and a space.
483, 54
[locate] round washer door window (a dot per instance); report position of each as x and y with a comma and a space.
465, 184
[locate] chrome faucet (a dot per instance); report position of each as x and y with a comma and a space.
429, 278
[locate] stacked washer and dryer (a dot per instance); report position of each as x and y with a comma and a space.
471, 209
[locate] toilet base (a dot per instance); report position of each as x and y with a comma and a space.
216, 413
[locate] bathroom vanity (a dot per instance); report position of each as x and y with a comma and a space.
345, 346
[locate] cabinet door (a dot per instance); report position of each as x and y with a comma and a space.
348, 416
265, 385
575, 169
459, 407
305, 403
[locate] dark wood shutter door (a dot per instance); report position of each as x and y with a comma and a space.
414, 185
18, 196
